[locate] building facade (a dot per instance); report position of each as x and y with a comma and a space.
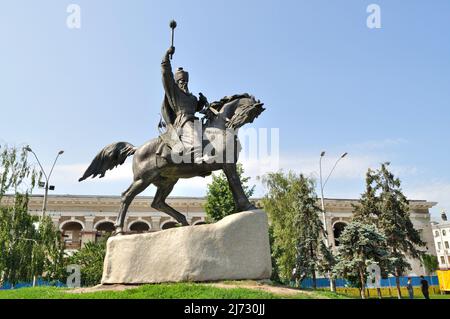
86, 218
441, 233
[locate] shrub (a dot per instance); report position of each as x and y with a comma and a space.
90, 259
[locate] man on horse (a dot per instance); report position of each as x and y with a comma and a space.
151, 164
179, 108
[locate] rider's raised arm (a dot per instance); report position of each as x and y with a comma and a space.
167, 74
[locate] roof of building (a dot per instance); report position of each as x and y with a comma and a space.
440, 224
144, 201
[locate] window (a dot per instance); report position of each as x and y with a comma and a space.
442, 260
68, 236
446, 245
436, 233
439, 245
420, 231
338, 228
444, 233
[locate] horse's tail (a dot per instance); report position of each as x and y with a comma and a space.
108, 158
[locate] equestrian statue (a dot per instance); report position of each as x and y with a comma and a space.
186, 147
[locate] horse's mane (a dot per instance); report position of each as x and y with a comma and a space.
217, 105
241, 115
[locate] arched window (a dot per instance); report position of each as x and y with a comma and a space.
104, 228
139, 227
71, 232
436, 233
444, 233
338, 228
169, 225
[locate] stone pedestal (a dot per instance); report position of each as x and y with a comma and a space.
237, 247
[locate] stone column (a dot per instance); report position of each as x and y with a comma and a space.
89, 233
156, 221
125, 224
55, 220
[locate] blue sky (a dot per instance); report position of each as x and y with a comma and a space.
328, 82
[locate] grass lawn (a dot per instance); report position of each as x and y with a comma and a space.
223, 290
226, 290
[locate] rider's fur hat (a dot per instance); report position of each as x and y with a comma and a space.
181, 75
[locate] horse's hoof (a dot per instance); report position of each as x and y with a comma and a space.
118, 232
184, 223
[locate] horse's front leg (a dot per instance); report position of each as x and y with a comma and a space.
240, 198
127, 197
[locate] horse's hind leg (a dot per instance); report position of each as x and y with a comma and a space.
127, 197
159, 202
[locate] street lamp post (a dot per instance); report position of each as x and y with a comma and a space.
322, 200
47, 177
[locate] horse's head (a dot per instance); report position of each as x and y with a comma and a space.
237, 110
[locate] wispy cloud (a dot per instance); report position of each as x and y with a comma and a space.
350, 172
72, 172
378, 144
354, 166
434, 191
351, 167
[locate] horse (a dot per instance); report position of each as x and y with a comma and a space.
224, 117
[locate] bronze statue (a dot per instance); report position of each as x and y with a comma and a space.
187, 148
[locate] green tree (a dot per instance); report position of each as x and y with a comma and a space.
384, 205
51, 265
291, 203
219, 199
360, 245
16, 225
327, 261
431, 263
27, 251
394, 221
310, 229
368, 209
90, 259
274, 256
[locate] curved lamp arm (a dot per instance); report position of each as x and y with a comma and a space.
28, 148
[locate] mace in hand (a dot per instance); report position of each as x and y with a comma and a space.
173, 25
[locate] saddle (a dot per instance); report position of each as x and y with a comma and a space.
171, 144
